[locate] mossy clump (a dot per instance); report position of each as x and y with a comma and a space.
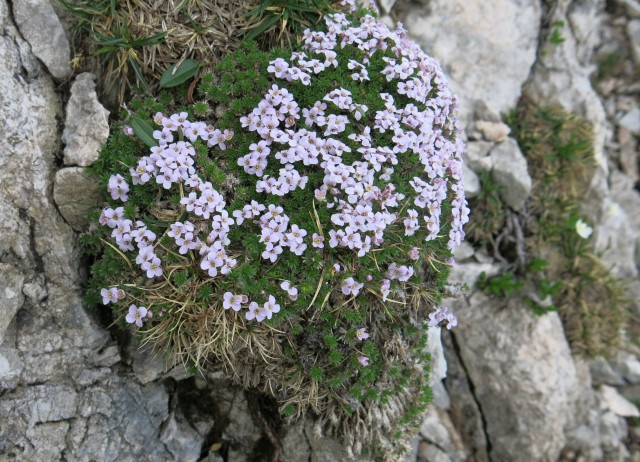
132, 42
297, 236
566, 276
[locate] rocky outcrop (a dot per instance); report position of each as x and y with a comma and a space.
487, 48
86, 126
512, 391
40, 27
64, 393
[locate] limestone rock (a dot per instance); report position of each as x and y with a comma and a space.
299, 443
510, 171
432, 453
63, 394
438, 429
492, 131
86, 126
562, 74
149, 366
629, 366
603, 373
617, 403
181, 439
471, 182
618, 232
11, 297
522, 372
631, 120
633, 32
499, 49
463, 252
76, 193
40, 26
386, 5
438, 368
632, 7
477, 156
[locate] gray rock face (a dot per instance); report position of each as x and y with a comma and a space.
86, 126
471, 182
562, 73
631, 120
438, 429
523, 375
509, 169
499, 39
40, 26
477, 156
633, 32
11, 297
62, 390
76, 193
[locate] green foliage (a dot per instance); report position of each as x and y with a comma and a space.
565, 275
286, 18
556, 37
179, 73
500, 286
488, 212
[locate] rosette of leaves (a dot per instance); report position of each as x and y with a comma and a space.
332, 181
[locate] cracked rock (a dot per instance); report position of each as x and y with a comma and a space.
86, 126
510, 170
41, 27
76, 193
11, 297
523, 376
492, 68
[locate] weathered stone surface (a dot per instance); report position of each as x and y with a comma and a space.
299, 443
149, 365
531, 388
617, 403
632, 7
76, 193
438, 367
63, 393
510, 170
432, 453
40, 26
471, 182
492, 131
562, 74
438, 429
618, 232
477, 156
386, 5
181, 439
463, 252
603, 373
86, 126
11, 297
633, 33
488, 58
465, 413
629, 366
631, 120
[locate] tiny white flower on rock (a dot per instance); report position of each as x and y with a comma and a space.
583, 229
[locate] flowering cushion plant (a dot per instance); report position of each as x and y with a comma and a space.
299, 240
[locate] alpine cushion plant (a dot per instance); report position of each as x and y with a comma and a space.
299, 241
